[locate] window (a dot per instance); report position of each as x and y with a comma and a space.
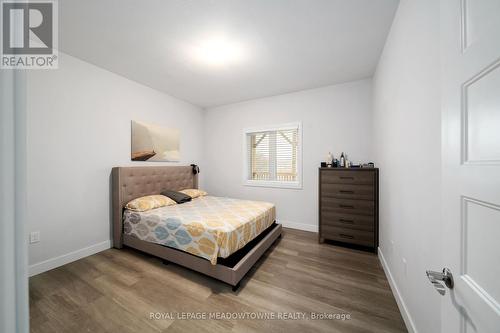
273, 156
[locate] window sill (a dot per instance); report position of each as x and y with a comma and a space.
275, 184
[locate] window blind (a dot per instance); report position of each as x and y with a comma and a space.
272, 155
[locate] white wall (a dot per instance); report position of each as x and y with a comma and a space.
334, 118
407, 149
79, 121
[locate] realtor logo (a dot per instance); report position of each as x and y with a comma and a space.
29, 34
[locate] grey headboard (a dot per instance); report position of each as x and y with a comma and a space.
129, 183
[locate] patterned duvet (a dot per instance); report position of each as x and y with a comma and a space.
208, 227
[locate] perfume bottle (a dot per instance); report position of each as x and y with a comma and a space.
342, 160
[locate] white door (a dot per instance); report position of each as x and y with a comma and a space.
471, 163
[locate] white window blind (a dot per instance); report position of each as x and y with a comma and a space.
273, 155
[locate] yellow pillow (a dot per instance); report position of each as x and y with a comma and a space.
194, 193
149, 202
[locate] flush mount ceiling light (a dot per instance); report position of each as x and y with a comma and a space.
218, 51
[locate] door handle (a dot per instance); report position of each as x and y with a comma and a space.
437, 277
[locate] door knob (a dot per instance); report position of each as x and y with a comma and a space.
437, 277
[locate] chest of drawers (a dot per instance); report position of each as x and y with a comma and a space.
348, 206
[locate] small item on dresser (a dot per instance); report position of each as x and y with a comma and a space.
335, 163
368, 165
323, 164
342, 160
329, 160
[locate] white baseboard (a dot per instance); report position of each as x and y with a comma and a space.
410, 325
299, 226
52, 263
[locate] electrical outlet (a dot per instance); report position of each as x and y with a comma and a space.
405, 267
34, 237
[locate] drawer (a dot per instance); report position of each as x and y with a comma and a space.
349, 221
347, 206
348, 191
365, 238
339, 176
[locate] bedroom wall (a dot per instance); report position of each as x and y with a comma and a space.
407, 148
334, 118
79, 121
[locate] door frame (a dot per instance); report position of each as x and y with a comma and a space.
14, 287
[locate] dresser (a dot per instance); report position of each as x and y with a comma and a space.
348, 206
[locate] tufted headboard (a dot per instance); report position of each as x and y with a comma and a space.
129, 183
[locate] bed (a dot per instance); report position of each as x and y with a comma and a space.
219, 237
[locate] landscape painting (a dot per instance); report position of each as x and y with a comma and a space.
154, 143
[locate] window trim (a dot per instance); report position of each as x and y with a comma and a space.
273, 183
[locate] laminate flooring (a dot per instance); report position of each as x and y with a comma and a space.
298, 285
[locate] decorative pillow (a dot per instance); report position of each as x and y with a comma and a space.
177, 196
194, 193
149, 202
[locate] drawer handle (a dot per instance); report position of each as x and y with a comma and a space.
346, 177
346, 206
346, 236
347, 192
346, 221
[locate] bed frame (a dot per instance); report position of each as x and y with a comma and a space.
129, 183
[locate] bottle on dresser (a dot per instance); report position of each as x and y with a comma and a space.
342, 161
329, 160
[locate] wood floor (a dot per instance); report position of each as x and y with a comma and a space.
118, 290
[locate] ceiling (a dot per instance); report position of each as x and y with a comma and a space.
284, 45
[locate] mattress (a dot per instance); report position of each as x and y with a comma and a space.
208, 226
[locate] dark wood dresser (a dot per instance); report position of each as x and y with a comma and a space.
348, 206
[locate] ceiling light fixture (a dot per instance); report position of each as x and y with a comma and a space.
218, 51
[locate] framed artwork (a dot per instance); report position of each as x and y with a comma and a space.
154, 143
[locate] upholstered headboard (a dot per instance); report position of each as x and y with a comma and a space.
129, 183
